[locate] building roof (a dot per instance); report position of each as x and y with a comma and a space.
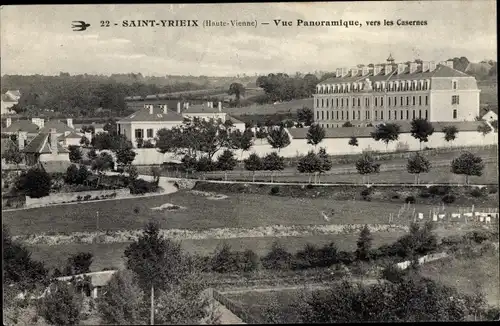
365, 132
234, 120
97, 278
6, 143
158, 115
56, 166
8, 98
78, 126
14, 92
440, 71
41, 144
201, 108
72, 135
22, 125
59, 126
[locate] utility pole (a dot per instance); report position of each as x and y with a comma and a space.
97, 220
152, 305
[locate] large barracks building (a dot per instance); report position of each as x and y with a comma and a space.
394, 92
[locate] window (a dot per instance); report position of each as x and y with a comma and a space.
381, 101
347, 102
327, 115
401, 114
359, 115
322, 115
420, 114
337, 102
139, 133
389, 117
149, 133
327, 125
317, 102
347, 115
359, 102
342, 102
396, 115
420, 100
353, 102
342, 114
381, 115
413, 115
317, 115
322, 103
407, 115
376, 101
401, 100
426, 100
337, 114
368, 114
376, 114
454, 113
455, 99
395, 101
413, 100
454, 83
389, 101
407, 100
425, 114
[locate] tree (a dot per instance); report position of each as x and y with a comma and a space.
484, 129
364, 244
326, 163
278, 138
421, 129
366, 166
92, 154
102, 163
347, 124
353, 141
315, 134
226, 161
386, 132
125, 156
71, 176
237, 90
242, 141
84, 141
418, 164
140, 142
62, 305
467, 164
82, 175
75, 154
157, 261
80, 263
36, 183
18, 266
133, 174
310, 164
114, 142
110, 126
261, 134
450, 133
306, 116
253, 163
156, 172
122, 302
273, 162
12, 154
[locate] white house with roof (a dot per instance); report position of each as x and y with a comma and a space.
490, 116
9, 99
145, 123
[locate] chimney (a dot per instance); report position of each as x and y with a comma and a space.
425, 66
354, 72
179, 107
220, 106
449, 63
345, 71
53, 141
432, 66
413, 67
401, 68
387, 69
187, 105
21, 139
338, 72
365, 71
69, 122
377, 70
151, 108
165, 108
8, 122
208, 104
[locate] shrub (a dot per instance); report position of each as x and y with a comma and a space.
365, 192
425, 194
96, 198
79, 198
439, 190
492, 190
448, 199
393, 274
277, 258
479, 236
141, 186
36, 183
309, 186
312, 256
476, 192
275, 190
410, 199
395, 196
87, 197
136, 210
346, 257
250, 261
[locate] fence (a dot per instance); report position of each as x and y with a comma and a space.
235, 308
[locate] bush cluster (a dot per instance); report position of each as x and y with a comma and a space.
448, 199
141, 186
476, 192
275, 190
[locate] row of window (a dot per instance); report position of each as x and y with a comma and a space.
392, 115
378, 101
379, 86
139, 133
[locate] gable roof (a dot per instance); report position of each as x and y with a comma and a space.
59, 126
365, 132
158, 115
72, 135
22, 125
440, 71
41, 144
234, 120
56, 166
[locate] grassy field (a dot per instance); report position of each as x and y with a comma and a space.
436, 175
285, 107
469, 275
110, 255
239, 210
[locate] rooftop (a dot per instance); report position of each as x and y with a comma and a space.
201, 108
234, 120
59, 126
22, 125
41, 144
97, 278
72, 134
365, 132
144, 115
56, 166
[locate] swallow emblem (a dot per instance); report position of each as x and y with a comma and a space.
79, 26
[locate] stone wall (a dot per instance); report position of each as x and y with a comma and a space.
59, 198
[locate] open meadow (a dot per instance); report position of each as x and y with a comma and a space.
236, 211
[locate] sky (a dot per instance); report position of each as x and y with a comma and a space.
38, 39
